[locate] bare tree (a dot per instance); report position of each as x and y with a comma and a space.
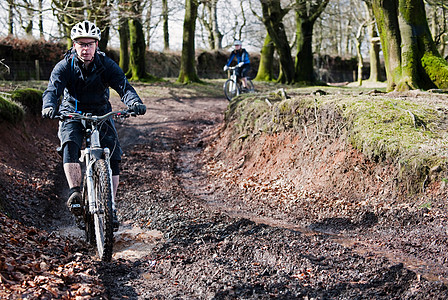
166, 33
10, 17
68, 13
209, 20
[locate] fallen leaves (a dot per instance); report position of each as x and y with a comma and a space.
38, 264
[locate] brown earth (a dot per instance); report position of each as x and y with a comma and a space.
277, 216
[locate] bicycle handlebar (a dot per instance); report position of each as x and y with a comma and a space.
232, 68
89, 117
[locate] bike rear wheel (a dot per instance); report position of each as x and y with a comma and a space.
103, 215
231, 89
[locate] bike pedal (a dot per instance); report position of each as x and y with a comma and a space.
76, 209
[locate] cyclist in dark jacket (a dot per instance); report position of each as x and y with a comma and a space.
243, 62
83, 78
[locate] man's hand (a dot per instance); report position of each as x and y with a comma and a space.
226, 67
240, 64
48, 113
138, 108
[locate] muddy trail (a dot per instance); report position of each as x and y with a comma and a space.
187, 235
189, 231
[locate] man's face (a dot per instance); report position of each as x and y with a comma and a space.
237, 47
85, 48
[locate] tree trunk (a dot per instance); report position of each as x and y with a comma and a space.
266, 66
307, 13
123, 32
10, 17
166, 34
105, 31
272, 18
137, 64
187, 66
41, 20
411, 58
358, 40
148, 22
206, 20
217, 35
304, 71
374, 49
29, 18
386, 15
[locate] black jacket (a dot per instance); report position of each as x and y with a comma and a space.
87, 90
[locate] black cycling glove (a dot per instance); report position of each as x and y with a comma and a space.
48, 113
138, 108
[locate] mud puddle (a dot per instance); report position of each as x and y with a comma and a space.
133, 243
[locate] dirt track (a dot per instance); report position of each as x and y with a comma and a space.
202, 238
187, 234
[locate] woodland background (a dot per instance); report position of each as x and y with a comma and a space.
35, 35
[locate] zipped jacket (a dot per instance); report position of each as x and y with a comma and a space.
87, 90
241, 56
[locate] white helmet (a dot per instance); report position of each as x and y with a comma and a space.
237, 42
85, 29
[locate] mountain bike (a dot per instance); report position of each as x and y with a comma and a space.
234, 87
98, 203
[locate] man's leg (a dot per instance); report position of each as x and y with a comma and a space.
72, 170
73, 174
244, 80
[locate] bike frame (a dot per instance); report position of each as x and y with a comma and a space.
90, 155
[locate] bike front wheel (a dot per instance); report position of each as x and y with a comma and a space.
103, 214
231, 89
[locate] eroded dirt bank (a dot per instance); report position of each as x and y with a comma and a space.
202, 220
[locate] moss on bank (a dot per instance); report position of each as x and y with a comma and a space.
409, 132
10, 111
14, 105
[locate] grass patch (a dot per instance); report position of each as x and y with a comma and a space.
10, 111
30, 98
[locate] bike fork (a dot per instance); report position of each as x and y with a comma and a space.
89, 178
107, 157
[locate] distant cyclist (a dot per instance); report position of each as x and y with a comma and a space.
243, 62
83, 78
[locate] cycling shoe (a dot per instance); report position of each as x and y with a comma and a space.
74, 203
